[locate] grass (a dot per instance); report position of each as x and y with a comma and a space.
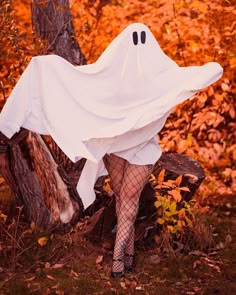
67, 264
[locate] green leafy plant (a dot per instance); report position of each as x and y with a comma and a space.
172, 211
178, 218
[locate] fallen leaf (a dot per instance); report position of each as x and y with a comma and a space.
32, 226
58, 265
99, 267
74, 274
225, 87
60, 292
228, 238
139, 288
127, 282
197, 252
155, 259
196, 263
99, 259
160, 220
108, 284
42, 241
29, 279
51, 278
133, 285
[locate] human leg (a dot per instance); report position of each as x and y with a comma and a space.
135, 177
115, 167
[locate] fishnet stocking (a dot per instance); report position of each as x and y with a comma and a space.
116, 167
135, 177
127, 181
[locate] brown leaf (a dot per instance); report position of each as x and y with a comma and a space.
232, 112
196, 263
99, 259
58, 265
51, 278
29, 279
74, 274
123, 286
161, 176
178, 180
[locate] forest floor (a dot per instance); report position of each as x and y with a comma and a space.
69, 264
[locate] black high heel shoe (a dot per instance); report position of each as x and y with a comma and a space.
117, 274
129, 264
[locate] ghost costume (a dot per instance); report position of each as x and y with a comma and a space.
116, 105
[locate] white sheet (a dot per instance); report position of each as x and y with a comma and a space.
116, 105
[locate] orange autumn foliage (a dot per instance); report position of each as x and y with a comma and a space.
190, 32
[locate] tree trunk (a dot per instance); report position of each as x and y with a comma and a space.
44, 180
33, 176
52, 21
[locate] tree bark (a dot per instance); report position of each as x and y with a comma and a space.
52, 21
42, 179
33, 176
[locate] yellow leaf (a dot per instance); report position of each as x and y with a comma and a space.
189, 140
42, 241
158, 204
167, 214
161, 220
173, 207
170, 228
175, 229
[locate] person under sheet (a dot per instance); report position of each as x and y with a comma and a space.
116, 105
107, 112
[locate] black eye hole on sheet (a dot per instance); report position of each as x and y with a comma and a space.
143, 37
135, 38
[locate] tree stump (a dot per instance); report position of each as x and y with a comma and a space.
101, 224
